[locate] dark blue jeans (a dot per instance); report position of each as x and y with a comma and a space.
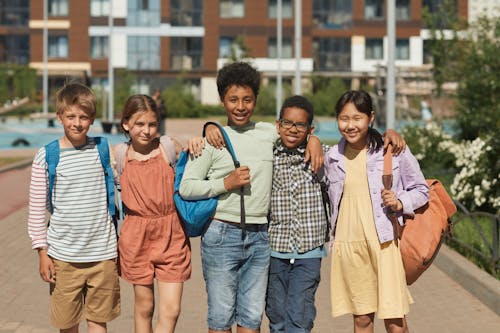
290, 294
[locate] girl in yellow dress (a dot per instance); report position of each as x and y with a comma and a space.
367, 273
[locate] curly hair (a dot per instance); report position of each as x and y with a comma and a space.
240, 74
300, 102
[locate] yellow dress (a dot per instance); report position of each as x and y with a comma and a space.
366, 276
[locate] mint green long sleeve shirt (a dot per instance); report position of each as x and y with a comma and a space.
204, 175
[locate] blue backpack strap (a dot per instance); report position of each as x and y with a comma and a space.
229, 147
52, 159
103, 149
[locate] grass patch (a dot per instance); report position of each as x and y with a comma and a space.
470, 233
10, 160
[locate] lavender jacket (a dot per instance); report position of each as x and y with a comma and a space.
408, 184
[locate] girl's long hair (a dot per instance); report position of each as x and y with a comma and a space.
363, 103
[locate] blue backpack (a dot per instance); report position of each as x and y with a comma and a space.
197, 213
52, 158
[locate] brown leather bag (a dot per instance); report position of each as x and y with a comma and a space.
422, 235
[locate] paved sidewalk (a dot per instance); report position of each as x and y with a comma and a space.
441, 304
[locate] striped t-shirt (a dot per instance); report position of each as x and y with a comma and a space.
80, 229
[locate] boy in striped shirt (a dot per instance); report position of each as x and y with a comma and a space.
77, 250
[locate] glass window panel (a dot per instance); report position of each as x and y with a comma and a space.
186, 53
332, 54
403, 9
286, 48
231, 8
374, 48
143, 53
403, 49
332, 14
286, 9
374, 9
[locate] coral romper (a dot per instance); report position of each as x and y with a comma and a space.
366, 276
152, 241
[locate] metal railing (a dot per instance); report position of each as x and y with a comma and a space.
485, 248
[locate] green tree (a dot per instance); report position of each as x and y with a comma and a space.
24, 81
470, 58
4, 88
478, 93
124, 80
325, 94
239, 49
179, 101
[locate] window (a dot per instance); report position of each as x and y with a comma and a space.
403, 10
374, 9
186, 53
99, 7
332, 54
440, 6
286, 9
99, 47
186, 12
227, 45
143, 53
332, 14
374, 48
58, 7
402, 49
231, 8
15, 50
14, 13
286, 48
58, 47
143, 13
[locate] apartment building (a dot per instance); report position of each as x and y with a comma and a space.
159, 40
14, 32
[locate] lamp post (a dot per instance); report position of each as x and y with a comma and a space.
111, 98
390, 79
45, 80
298, 45
279, 46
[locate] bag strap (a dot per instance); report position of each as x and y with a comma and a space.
52, 159
104, 155
236, 163
169, 149
387, 182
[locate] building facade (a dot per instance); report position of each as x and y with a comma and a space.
160, 40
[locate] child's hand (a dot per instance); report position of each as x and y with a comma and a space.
214, 136
314, 153
238, 178
195, 146
46, 267
391, 201
397, 141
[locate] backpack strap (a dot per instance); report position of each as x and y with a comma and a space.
104, 155
236, 163
52, 159
168, 146
120, 156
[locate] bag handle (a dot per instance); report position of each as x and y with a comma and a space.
387, 182
236, 163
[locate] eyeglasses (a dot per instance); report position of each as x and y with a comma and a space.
287, 124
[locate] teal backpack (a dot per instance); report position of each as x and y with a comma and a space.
52, 151
196, 214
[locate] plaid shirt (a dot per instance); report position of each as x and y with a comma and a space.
297, 217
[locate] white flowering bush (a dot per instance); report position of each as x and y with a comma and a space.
476, 184
469, 168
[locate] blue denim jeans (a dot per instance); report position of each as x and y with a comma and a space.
235, 272
290, 294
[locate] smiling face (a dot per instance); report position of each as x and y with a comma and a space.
297, 120
76, 123
353, 125
239, 103
142, 127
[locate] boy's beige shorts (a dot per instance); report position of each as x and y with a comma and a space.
90, 290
